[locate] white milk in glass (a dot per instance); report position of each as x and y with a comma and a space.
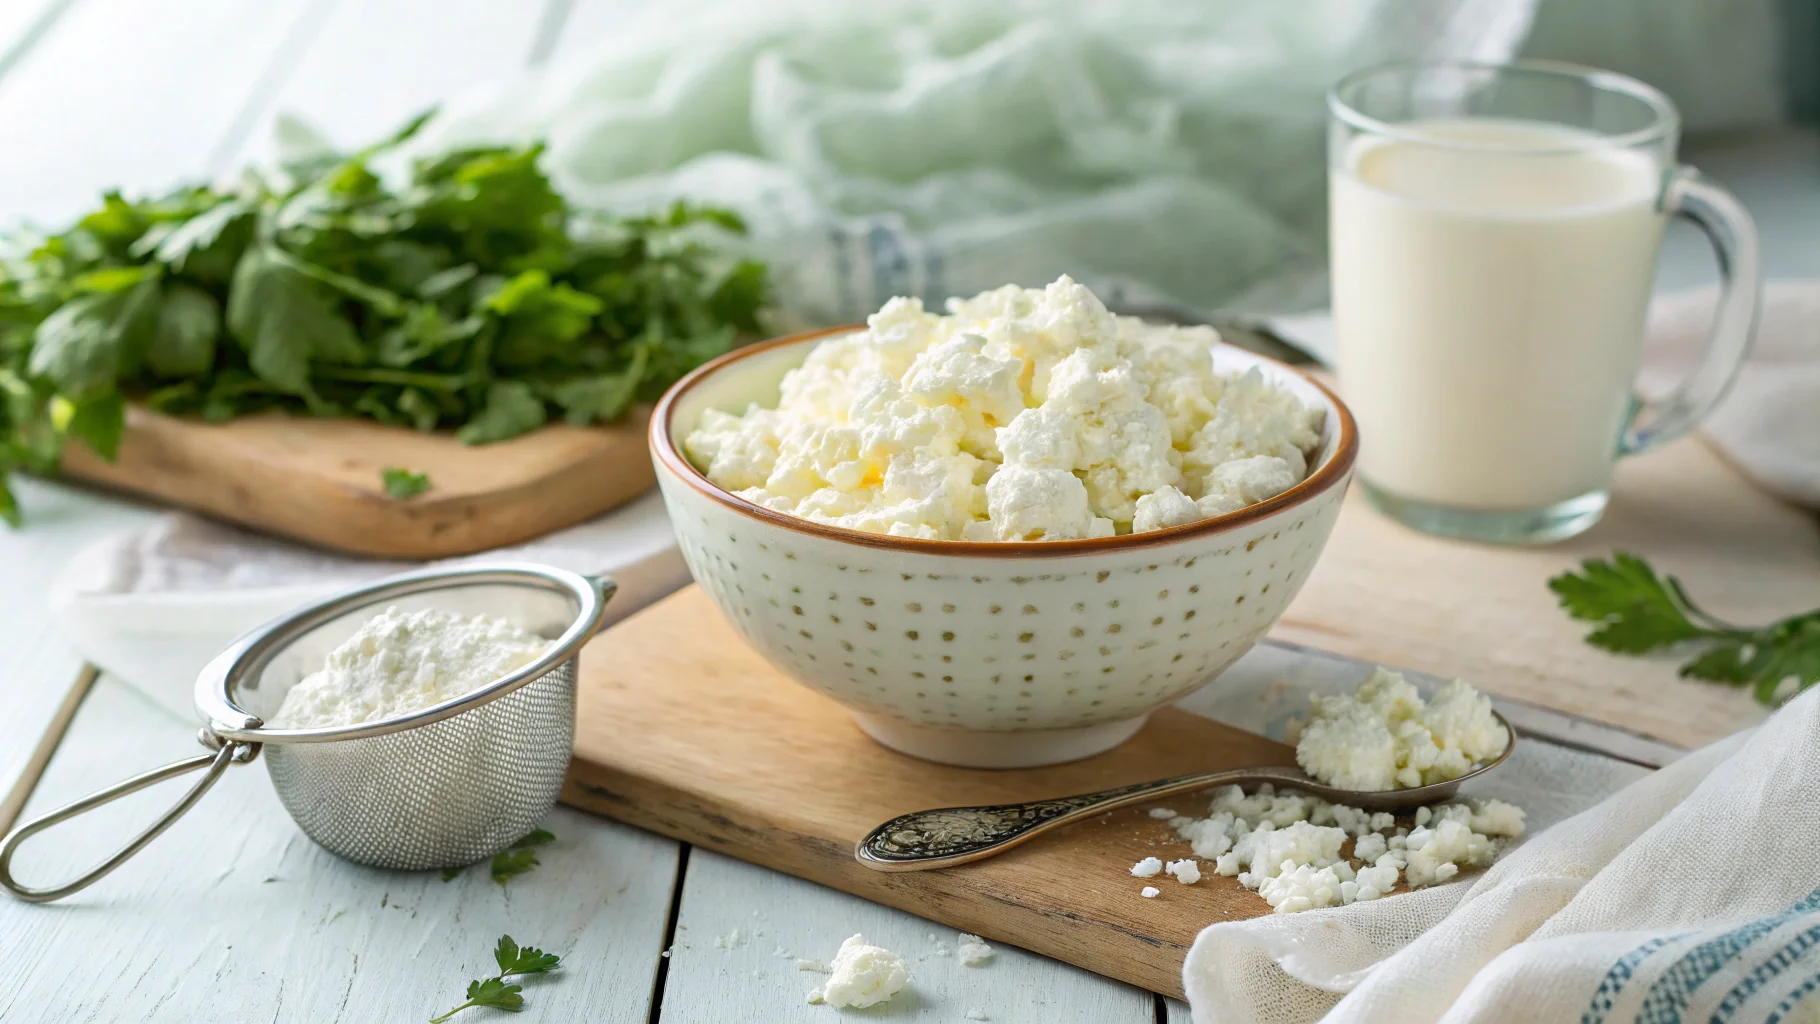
1489, 307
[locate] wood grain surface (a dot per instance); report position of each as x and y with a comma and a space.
684, 730
318, 480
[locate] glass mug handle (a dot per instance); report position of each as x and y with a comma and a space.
1729, 228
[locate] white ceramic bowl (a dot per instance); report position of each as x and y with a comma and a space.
993, 655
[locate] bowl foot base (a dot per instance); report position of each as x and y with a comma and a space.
970, 749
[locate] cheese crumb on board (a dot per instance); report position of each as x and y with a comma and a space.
1186, 871
1162, 813
973, 950
1024, 414
1149, 867
1150, 892
1385, 736
1290, 847
398, 662
862, 975
977, 1014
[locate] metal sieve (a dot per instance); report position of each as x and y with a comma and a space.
445, 786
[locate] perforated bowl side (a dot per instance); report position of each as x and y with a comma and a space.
440, 795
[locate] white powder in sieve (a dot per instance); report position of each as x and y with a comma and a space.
399, 662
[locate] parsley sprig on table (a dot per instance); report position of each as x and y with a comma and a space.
512, 861
498, 993
1638, 611
467, 294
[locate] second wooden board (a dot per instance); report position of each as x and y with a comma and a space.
686, 731
319, 480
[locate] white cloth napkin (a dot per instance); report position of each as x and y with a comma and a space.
1688, 895
1769, 425
152, 606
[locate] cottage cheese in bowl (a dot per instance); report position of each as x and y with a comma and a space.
1003, 535
1022, 415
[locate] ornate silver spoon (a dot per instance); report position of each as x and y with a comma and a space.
948, 836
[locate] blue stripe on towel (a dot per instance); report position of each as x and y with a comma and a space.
1802, 991
1670, 993
1620, 973
1766, 972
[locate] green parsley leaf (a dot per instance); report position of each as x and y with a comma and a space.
529, 960
402, 484
1637, 612
284, 323
494, 992
512, 408
189, 324
509, 864
99, 423
450, 874
535, 837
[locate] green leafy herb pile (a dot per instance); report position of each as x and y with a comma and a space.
468, 296
1638, 611
496, 991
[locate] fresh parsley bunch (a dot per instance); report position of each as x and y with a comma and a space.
469, 297
1638, 611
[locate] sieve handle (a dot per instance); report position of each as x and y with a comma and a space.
214, 763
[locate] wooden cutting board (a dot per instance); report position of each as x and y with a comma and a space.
684, 730
318, 480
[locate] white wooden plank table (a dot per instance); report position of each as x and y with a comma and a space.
233, 915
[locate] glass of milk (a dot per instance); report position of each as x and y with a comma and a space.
1494, 233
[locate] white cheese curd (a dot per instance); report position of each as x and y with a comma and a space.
862, 975
1385, 737
1294, 855
1150, 892
1023, 414
1162, 813
972, 950
1186, 871
1147, 868
398, 662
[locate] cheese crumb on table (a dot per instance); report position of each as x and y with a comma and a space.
977, 1014
1024, 414
972, 950
862, 975
398, 662
1162, 813
1150, 892
1386, 737
1290, 847
1149, 867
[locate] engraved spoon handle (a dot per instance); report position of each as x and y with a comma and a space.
956, 835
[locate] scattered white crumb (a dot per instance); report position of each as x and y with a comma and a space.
1150, 892
666, 954
1186, 871
815, 996
973, 951
1147, 868
732, 940
1161, 813
977, 1014
805, 964
1287, 846
864, 975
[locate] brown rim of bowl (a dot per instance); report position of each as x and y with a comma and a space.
666, 448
